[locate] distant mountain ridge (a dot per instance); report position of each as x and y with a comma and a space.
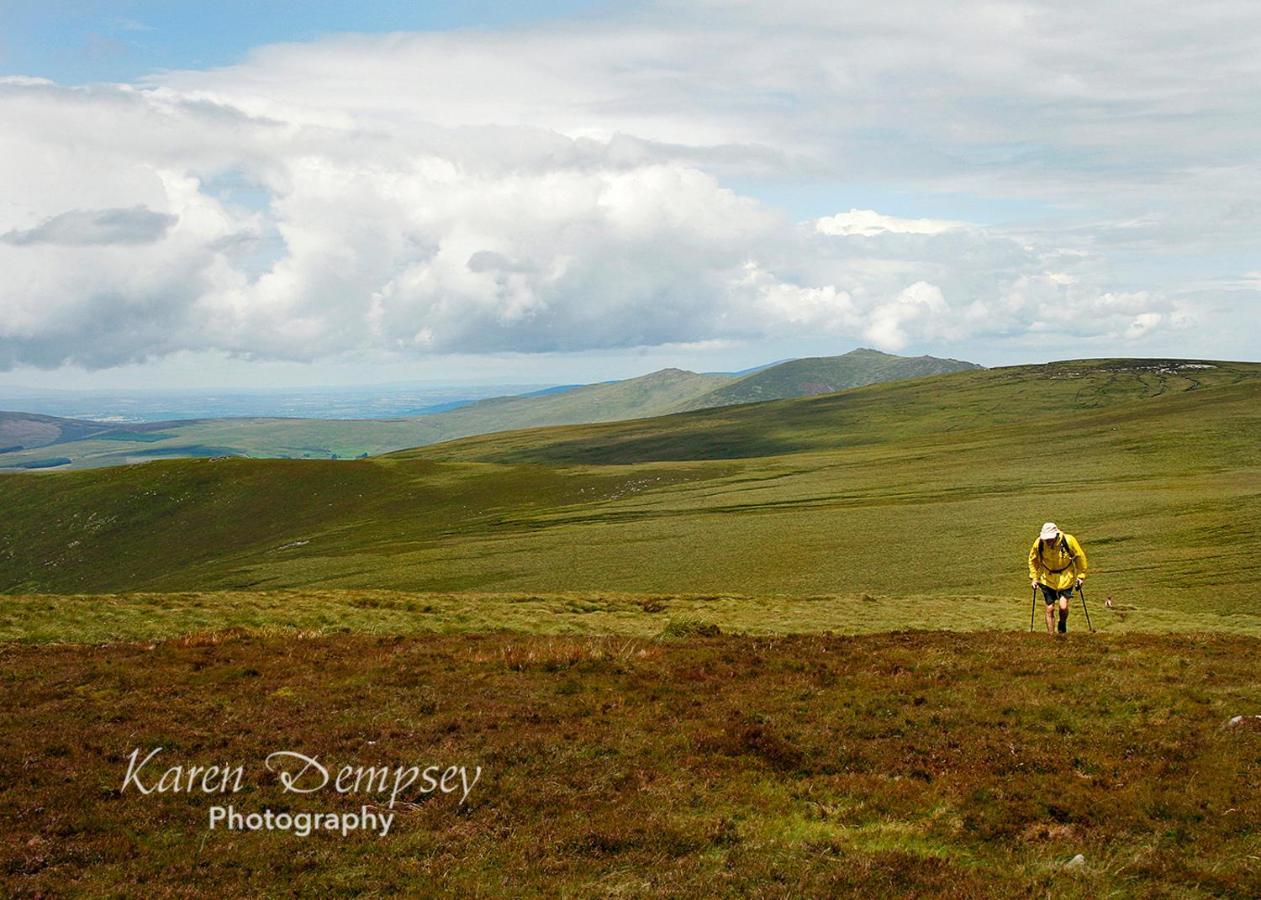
826, 375
669, 391
80, 444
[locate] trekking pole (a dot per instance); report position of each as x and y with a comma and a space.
1086, 609
1034, 611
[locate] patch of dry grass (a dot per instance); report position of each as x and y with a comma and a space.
556, 654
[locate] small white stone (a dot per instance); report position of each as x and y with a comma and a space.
1076, 862
1235, 721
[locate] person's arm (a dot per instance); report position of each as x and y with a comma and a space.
1034, 561
1079, 559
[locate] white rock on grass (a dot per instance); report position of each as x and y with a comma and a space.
1077, 862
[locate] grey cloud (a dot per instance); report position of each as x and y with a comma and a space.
87, 227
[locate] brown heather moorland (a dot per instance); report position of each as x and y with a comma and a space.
957, 764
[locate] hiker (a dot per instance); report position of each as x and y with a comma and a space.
1057, 565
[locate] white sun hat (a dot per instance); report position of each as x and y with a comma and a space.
1050, 532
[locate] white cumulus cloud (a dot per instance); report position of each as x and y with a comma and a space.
567, 188
868, 222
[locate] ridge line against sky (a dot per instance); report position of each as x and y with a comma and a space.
348, 193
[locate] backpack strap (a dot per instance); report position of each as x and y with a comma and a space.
1067, 552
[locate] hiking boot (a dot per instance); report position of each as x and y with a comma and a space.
1063, 626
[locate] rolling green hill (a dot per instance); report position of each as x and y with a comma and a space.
657, 393
92, 444
932, 487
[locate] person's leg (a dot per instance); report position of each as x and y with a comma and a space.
1048, 596
1064, 612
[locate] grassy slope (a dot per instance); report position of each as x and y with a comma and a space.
1068, 401
932, 486
887, 765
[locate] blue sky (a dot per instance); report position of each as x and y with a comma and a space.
78, 41
380, 191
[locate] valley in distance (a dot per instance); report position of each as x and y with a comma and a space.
36, 440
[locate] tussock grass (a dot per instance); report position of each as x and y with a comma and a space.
110, 618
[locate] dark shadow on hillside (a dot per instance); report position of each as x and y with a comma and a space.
730, 441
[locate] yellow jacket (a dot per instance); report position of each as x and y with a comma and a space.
1054, 567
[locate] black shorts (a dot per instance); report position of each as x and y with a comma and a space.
1050, 594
